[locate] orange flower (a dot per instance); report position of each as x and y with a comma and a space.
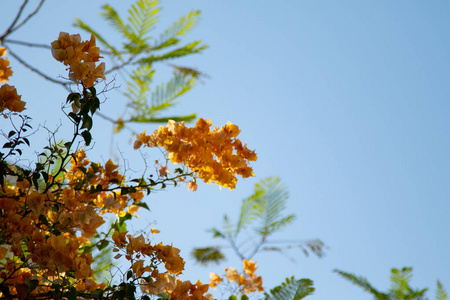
250, 267
80, 57
10, 100
192, 186
5, 70
214, 280
215, 155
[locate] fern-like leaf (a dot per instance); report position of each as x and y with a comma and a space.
80, 24
162, 98
142, 16
364, 284
250, 210
179, 28
190, 48
292, 289
273, 199
441, 294
112, 16
208, 255
138, 87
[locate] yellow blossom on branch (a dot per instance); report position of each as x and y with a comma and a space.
216, 155
247, 282
5, 69
80, 56
10, 100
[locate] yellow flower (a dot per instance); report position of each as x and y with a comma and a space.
215, 155
214, 280
81, 57
5, 70
155, 231
192, 186
250, 267
10, 100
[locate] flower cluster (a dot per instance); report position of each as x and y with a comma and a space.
5, 69
247, 282
215, 155
153, 281
45, 233
9, 99
80, 57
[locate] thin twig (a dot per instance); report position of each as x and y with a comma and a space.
28, 44
65, 84
11, 27
28, 17
121, 65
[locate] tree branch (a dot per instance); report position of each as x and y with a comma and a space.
65, 84
28, 44
10, 30
11, 27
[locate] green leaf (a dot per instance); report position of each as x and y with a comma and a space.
111, 15
127, 217
142, 204
87, 122
142, 17
73, 97
80, 24
364, 284
129, 274
161, 99
191, 48
179, 28
272, 199
208, 255
120, 227
216, 233
441, 294
103, 244
87, 137
291, 289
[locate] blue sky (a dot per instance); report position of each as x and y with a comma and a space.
346, 101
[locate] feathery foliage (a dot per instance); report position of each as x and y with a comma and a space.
139, 52
364, 284
263, 212
400, 288
292, 289
441, 294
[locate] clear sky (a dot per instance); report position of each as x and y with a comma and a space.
346, 101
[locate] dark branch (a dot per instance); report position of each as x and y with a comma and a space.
11, 27
28, 17
28, 44
65, 84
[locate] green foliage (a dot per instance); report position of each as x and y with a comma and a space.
138, 91
292, 289
441, 294
400, 288
141, 50
263, 212
208, 254
364, 284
